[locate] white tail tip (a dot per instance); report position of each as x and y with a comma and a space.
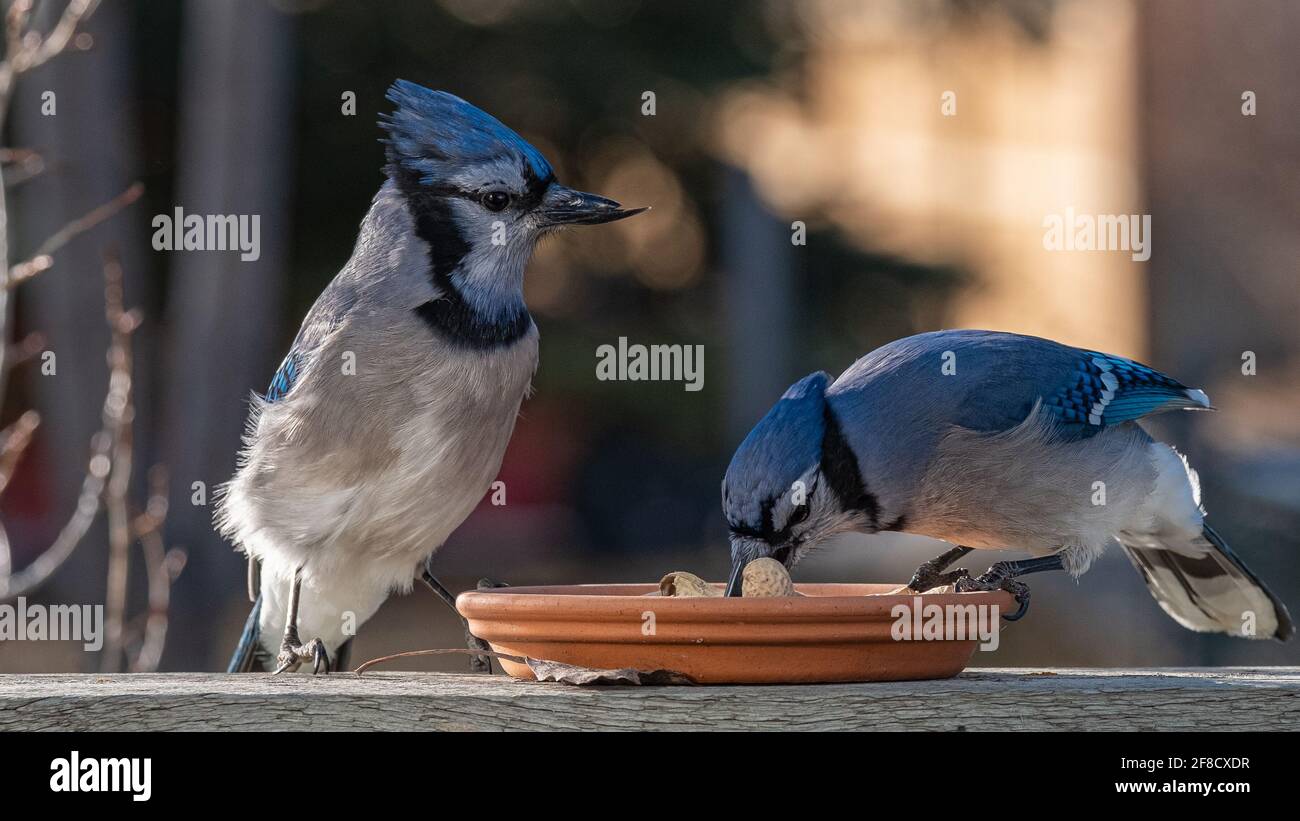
1198, 396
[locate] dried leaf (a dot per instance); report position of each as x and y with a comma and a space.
586, 676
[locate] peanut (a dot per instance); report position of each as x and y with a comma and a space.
686, 585
766, 578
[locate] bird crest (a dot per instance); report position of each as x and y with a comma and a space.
434, 134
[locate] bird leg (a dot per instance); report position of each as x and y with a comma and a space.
1002, 576
930, 575
477, 664
254, 579
292, 651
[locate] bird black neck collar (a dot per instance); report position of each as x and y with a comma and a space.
451, 316
840, 467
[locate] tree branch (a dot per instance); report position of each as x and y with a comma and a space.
34, 50
16, 439
53, 557
162, 567
23, 350
116, 413
42, 260
121, 324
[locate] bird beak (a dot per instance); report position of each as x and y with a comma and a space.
564, 206
743, 551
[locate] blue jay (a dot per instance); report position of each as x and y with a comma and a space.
992, 441
388, 419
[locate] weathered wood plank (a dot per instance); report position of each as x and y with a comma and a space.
1157, 699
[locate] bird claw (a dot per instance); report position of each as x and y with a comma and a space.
478, 664
1021, 591
481, 664
927, 577
997, 580
293, 655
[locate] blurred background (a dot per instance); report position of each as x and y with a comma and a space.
826, 112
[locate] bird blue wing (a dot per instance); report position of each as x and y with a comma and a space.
244, 659
897, 401
285, 376
323, 319
1104, 389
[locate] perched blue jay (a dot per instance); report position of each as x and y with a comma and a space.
993, 441
388, 419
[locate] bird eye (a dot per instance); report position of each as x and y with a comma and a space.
496, 200
800, 514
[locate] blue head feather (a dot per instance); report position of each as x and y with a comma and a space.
433, 133
782, 447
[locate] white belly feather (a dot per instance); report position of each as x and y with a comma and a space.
354, 496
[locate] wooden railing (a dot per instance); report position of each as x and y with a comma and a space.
1200, 699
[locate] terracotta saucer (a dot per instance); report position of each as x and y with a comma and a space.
833, 633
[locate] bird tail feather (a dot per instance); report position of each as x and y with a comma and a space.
1209, 593
244, 659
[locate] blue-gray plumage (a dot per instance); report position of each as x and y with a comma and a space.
388, 419
994, 441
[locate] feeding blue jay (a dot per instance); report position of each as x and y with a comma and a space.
992, 441
388, 419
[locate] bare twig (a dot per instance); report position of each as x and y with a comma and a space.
121, 323
29, 49
457, 650
15, 25
24, 350
24, 50
162, 567
16, 438
18, 156
116, 413
23, 164
53, 557
25, 270
93, 218
42, 259
108, 475
155, 511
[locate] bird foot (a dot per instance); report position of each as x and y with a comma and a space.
997, 578
478, 664
292, 655
481, 664
928, 577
